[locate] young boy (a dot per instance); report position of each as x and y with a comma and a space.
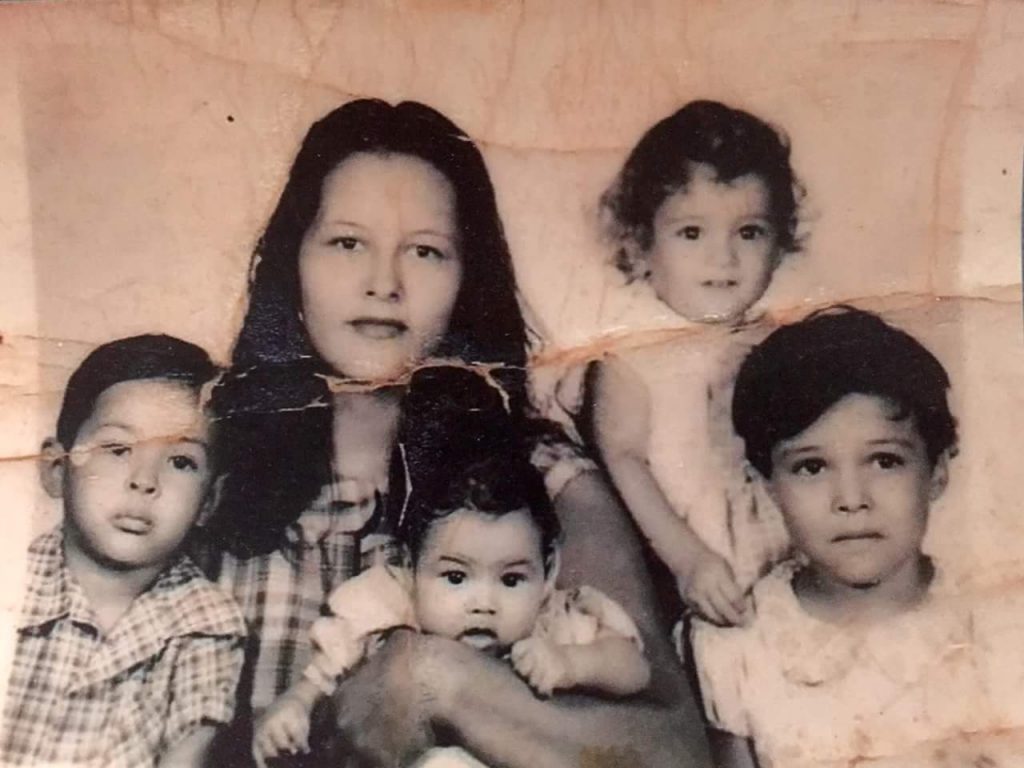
484, 555
125, 654
858, 651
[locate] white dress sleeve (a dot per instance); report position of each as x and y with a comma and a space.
583, 615
722, 661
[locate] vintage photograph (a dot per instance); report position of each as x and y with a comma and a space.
512, 384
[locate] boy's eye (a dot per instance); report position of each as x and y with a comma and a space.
689, 232
344, 242
888, 460
454, 577
808, 467
752, 231
184, 463
513, 579
116, 449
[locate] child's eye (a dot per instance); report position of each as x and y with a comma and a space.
808, 467
454, 577
116, 449
690, 232
344, 242
513, 579
752, 231
429, 252
888, 460
184, 463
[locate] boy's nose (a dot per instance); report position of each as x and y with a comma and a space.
384, 279
851, 494
144, 480
721, 252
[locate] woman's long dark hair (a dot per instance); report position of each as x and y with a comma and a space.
273, 406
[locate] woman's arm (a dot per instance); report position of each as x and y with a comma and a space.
621, 418
417, 680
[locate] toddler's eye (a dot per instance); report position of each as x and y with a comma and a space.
690, 232
344, 242
888, 460
454, 577
808, 467
116, 449
184, 463
513, 579
429, 252
752, 231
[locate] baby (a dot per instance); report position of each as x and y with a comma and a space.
484, 558
704, 210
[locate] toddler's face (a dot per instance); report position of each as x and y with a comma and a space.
480, 579
854, 489
137, 475
714, 248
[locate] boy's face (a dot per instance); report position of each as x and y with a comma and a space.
480, 579
138, 474
714, 248
854, 489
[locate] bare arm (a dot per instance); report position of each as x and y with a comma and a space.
191, 750
732, 751
613, 665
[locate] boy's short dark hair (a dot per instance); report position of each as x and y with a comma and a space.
732, 142
138, 357
800, 371
494, 486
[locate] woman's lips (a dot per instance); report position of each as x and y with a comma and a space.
378, 328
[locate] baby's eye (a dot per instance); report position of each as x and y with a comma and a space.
753, 231
690, 232
344, 242
184, 463
888, 460
429, 252
511, 580
808, 467
454, 577
116, 449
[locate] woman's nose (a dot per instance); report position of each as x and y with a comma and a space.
385, 279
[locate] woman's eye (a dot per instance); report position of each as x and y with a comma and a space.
344, 242
808, 467
690, 232
752, 231
184, 463
429, 252
116, 449
889, 460
454, 577
513, 579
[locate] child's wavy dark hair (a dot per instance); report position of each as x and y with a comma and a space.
499, 484
138, 358
801, 370
732, 142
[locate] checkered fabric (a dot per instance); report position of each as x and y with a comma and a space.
76, 697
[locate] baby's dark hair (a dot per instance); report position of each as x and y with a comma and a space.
494, 486
132, 359
732, 142
801, 370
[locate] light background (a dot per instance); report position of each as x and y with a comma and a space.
143, 145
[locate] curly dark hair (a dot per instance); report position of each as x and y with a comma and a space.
801, 370
732, 142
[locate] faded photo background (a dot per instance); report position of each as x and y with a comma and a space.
143, 145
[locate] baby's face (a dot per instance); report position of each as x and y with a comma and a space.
480, 579
714, 247
138, 474
854, 489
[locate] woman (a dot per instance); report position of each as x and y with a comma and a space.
386, 252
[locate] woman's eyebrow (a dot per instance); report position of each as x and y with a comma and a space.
433, 232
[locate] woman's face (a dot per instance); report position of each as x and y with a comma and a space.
380, 266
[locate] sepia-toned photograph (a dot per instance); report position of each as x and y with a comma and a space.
512, 384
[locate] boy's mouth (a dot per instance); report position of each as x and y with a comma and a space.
479, 638
137, 525
724, 284
378, 327
855, 537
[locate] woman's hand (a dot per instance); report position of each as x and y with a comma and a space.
709, 588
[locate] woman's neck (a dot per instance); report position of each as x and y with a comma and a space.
835, 601
365, 429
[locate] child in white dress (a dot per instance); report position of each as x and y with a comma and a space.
858, 651
704, 210
484, 557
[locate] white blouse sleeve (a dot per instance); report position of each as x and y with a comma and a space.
722, 663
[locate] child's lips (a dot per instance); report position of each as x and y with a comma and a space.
135, 524
479, 638
857, 537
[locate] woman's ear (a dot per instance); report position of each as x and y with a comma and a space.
51, 467
940, 477
554, 565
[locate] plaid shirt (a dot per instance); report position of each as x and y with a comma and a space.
171, 664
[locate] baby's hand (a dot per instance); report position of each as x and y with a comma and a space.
543, 664
282, 729
711, 590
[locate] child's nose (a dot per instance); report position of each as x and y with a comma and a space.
482, 600
851, 493
144, 479
722, 252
